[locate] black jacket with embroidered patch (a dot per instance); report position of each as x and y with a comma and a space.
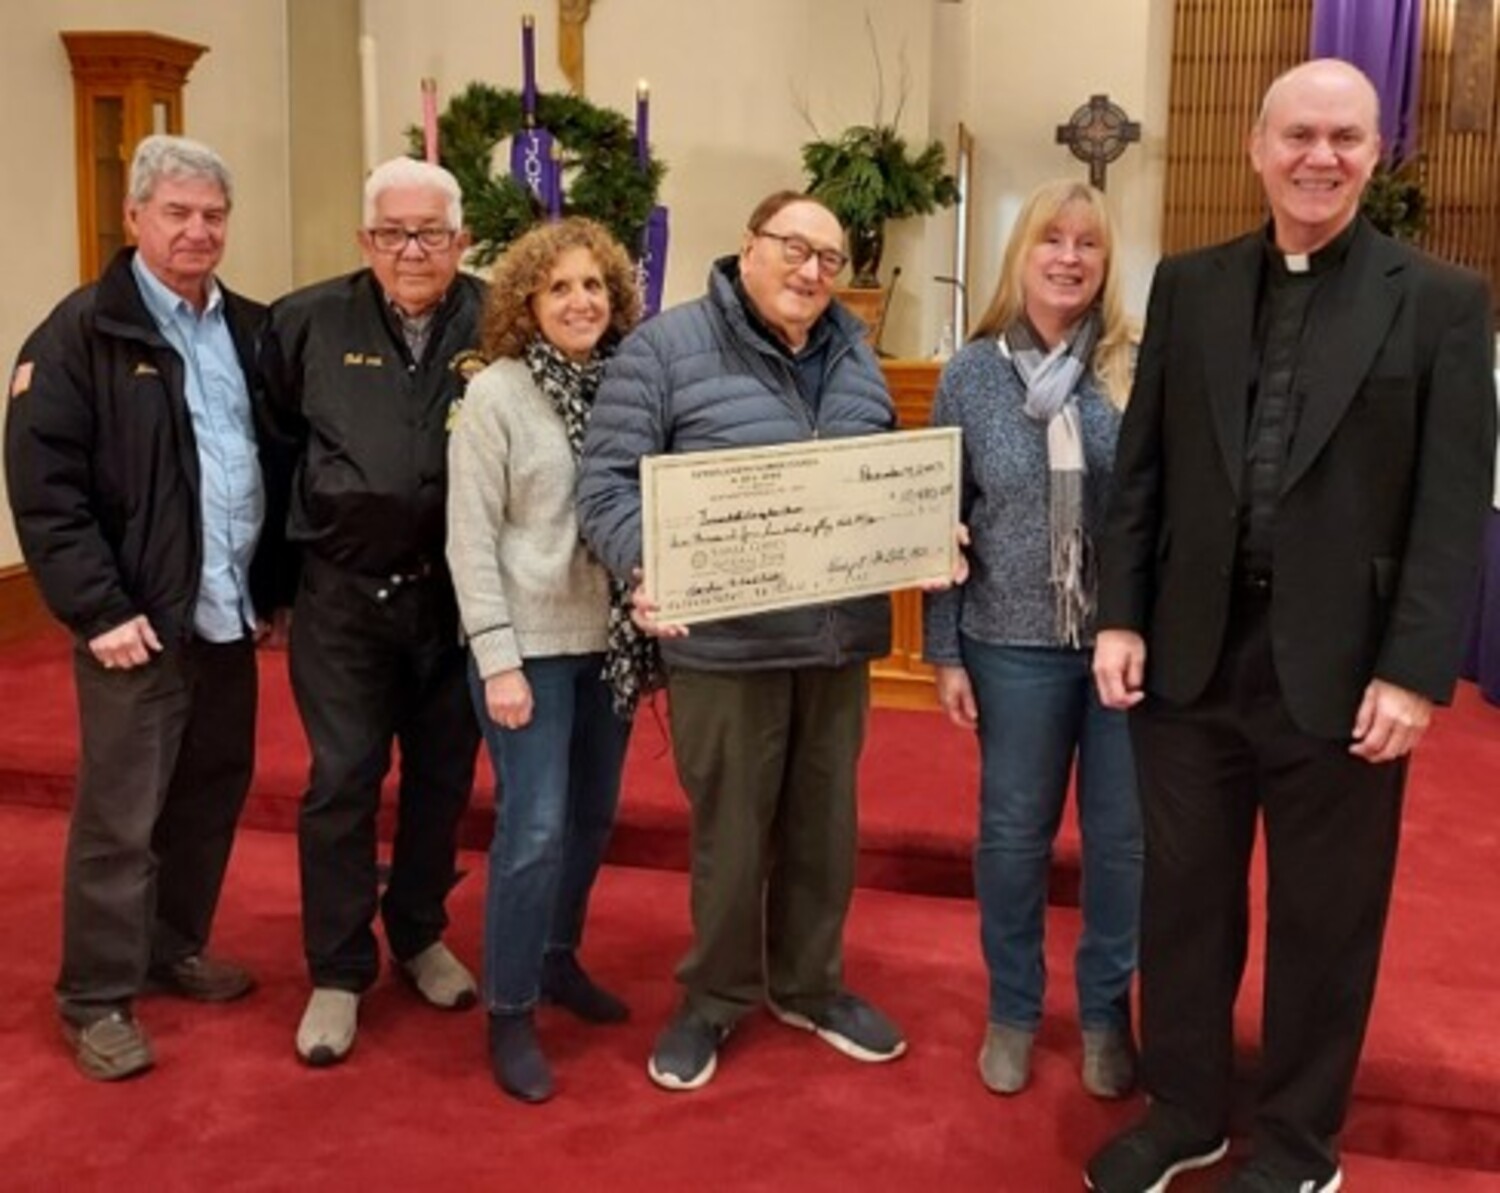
102, 463
371, 423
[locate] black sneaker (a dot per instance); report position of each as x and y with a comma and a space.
565, 984
1147, 1157
1259, 1177
852, 1026
686, 1052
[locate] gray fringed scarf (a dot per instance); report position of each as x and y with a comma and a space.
632, 660
1052, 380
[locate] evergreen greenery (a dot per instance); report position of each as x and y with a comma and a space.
602, 176
1395, 200
867, 176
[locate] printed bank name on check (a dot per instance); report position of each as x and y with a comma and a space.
728, 533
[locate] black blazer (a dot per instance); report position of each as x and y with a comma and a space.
1386, 487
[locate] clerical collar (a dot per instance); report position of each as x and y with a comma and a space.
1330, 256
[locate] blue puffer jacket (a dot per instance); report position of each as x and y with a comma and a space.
700, 377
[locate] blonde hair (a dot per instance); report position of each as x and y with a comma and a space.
1113, 353
509, 321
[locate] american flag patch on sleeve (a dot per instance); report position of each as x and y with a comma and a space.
20, 380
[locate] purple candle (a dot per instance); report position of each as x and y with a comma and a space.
555, 191
528, 69
643, 123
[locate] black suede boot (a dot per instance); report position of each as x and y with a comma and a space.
565, 984
516, 1057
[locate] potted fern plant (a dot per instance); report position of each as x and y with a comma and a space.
867, 175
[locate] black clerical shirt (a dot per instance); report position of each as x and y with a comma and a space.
1291, 284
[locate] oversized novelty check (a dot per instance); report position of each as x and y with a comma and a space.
741, 531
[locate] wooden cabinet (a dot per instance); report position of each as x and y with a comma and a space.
901, 679
126, 86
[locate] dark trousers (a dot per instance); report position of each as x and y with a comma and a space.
166, 753
768, 759
374, 662
1331, 821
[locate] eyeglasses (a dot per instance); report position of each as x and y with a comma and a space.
395, 240
796, 251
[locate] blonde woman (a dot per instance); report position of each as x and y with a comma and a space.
1038, 392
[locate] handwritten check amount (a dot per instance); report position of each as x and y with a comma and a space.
749, 530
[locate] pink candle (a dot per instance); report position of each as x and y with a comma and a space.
429, 119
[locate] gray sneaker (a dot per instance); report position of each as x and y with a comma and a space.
109, 1048
1005, 1059
686, 1052
851, 1025
441, 978
1109, 1062
326, 1033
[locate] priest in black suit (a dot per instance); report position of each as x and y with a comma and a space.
1302, 478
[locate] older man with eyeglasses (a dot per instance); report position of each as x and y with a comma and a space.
363, 373
768, 711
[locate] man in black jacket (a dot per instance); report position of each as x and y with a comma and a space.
363, 373
137, 491
1301, 480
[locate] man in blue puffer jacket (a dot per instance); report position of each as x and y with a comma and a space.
768, 711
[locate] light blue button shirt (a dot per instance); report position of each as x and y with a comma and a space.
230, 487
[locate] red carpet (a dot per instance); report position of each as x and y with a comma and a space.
229, 1107
914, 763
415, 1109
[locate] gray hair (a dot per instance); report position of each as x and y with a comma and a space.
409, 172
160, 156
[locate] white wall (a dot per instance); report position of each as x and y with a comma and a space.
1014, 70
729, 80
235, 100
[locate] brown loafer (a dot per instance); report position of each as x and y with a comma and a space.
109, 1048
203, 979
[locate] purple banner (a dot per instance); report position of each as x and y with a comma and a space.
651, 269
1384, 39
533, 166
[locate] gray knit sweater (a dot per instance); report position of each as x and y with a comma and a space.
527, 586
1008, 599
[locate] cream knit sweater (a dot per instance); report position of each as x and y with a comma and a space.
527, 586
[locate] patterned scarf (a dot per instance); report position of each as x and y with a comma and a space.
1052, 380
632, 660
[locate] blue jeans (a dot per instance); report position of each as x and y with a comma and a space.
558, 783
1038, 711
